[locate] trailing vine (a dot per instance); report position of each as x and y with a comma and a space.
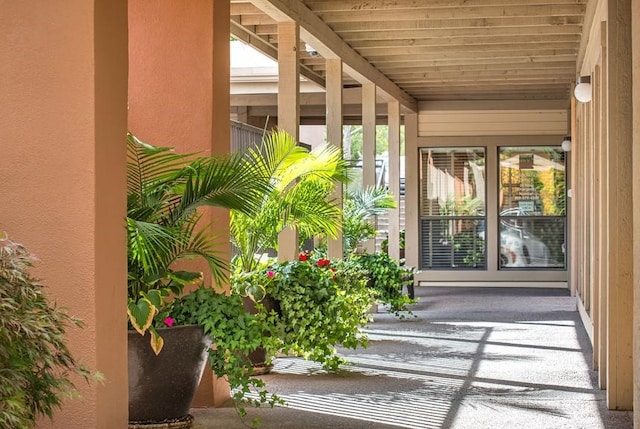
387, 278
322, 304
235, 333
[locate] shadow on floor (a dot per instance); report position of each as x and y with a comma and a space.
472, 358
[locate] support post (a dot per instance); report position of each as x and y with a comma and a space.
288, 111
394, 177
334, 137
369, 146
620, 288
411, 215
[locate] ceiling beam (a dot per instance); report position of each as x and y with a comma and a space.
323, 39
349, 96
464, 41
343, 6
429, 24
241, 33
428, 13
450, 33
461, 50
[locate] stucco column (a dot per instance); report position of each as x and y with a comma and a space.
62, 170
394, 177
288, 111
334, 137
179, 97
369, 145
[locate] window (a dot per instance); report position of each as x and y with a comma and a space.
452, 209
532, 215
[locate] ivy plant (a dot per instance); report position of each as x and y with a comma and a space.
235, 334
322, 303
386, 279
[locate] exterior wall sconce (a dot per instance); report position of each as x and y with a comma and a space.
312, 52
582, 90
566, 144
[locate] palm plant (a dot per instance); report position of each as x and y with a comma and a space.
359, 207
164, 226
301, 183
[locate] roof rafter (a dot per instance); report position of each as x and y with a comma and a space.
319, 35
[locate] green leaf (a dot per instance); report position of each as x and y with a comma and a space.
141, 313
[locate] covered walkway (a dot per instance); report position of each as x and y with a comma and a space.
473, 358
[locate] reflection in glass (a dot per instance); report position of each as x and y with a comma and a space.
452, 209
532, 207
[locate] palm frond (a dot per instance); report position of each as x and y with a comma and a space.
149, 167
223, 182
368, 202
165, 190
301, 184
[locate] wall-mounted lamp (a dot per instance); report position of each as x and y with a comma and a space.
566, 144
312, 52
582, 90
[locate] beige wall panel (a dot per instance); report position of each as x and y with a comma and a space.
491, 122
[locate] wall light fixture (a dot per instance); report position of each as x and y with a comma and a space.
582, 90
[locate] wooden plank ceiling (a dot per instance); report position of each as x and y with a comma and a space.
444, 49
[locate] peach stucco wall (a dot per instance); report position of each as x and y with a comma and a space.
179, 95
62, 133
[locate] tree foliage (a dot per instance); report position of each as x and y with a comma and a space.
36, 365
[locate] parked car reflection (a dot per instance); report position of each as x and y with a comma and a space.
518, 246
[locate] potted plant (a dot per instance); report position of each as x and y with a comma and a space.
299, 196
164, 227
36, 364
387, 277
322, 303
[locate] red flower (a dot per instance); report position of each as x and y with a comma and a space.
303, 257
169, 321
270, 274
323, 262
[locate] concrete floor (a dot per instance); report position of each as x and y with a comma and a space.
471, 359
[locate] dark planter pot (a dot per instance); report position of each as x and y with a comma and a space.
162, 387
258, 357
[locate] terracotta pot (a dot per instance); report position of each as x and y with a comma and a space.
162, 387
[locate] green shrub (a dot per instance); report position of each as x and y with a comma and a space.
235, 334
35, 363
322, 304
387, 278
